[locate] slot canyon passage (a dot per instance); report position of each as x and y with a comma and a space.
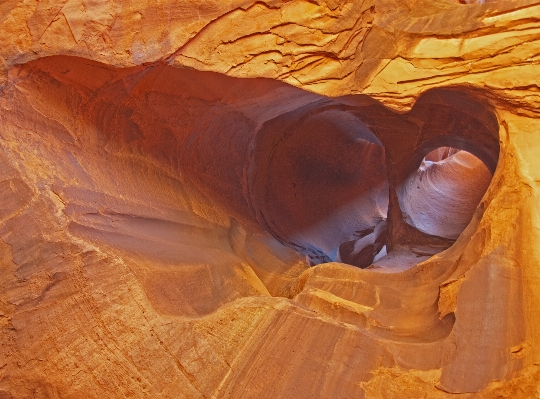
273, 199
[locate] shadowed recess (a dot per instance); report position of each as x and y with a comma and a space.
332, 179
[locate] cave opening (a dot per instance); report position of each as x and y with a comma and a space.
311, 177
377, 189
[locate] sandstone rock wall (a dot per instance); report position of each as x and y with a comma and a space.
166, 167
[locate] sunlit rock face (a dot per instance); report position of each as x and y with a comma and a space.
269, 200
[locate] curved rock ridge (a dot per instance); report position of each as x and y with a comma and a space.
156, 214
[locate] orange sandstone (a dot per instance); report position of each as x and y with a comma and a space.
169, 171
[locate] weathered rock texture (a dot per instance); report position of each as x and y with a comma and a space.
159, 211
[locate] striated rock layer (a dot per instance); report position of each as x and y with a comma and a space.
169, 171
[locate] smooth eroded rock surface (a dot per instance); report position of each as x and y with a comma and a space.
169, 171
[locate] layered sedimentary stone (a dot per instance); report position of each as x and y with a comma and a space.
156, 214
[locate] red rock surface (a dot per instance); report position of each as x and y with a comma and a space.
169, 171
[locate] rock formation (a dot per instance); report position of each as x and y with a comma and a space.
272, 199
